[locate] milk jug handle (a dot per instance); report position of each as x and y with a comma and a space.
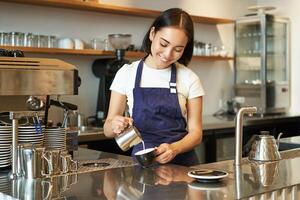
278, 139
49, 163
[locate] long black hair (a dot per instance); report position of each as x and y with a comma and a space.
175, 17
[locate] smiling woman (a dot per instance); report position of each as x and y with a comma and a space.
164, 97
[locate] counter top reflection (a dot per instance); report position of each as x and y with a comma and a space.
272, 180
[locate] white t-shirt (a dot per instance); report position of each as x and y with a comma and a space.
188, 83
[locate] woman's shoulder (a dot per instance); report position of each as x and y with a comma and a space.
130, 66
184, 71
128, 69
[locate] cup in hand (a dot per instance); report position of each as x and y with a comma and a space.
145, 157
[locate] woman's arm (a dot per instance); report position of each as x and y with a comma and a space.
115, 122
166, 151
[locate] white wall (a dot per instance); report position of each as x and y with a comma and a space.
217, 77
291, 10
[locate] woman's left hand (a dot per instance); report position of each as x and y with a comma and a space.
165, 153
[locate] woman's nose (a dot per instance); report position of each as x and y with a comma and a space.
168, 53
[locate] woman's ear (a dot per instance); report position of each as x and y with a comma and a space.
152, 33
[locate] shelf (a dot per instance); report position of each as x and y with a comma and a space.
212, 58
92, 52
112, 9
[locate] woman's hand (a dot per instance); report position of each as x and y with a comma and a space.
165, 153
119, 123
166, 174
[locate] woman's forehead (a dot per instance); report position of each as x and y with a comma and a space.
173, 35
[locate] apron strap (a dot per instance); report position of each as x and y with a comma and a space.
173, 87
172, 84
139, 74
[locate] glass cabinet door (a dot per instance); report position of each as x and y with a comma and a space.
248, 52
276, 50
262, 62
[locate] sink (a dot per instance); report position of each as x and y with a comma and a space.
86, 130
90, 129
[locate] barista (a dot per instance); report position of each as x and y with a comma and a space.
163, 95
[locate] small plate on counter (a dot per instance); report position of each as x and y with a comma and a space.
207, 175
215, 186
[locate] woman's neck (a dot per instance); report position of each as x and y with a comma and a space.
150, 62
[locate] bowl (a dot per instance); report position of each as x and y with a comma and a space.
145, 157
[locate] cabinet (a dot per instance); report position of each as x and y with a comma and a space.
105, 8
262, 62
220, 143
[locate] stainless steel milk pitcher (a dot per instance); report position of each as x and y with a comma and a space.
32, 161
128, 138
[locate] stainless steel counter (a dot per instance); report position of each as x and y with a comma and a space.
273, 180
227, 121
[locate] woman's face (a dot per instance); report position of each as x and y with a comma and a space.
167, 46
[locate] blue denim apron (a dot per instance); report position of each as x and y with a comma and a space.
157, 115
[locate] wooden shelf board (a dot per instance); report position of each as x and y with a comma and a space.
92, 52
89, 52
112, 9
212, 58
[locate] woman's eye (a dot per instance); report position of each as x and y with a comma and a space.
163, 45
178, 50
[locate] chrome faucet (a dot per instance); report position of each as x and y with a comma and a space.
239, 131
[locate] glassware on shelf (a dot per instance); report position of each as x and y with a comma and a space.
208, 49
52, 41
4, 39
29, 40
16, 39
43, 41
98, 43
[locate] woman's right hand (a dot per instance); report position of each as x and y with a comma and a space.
119, 123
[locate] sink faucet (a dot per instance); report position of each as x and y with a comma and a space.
239, 131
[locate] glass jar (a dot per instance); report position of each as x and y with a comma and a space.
52, 41
5, 39
35, 40
208, 49
43, 41
1, 38
29, 40
98, 43
16, 39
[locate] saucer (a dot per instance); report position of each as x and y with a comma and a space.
207, 175
216, 186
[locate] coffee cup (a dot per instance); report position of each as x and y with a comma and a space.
66, 43
78, 44
145, 157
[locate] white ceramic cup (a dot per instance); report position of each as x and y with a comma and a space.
78, 44
66, 43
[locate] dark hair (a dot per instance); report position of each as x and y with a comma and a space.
178, 18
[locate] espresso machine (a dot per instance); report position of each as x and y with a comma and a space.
21, 77
105, 69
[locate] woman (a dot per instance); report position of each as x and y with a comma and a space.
163, 96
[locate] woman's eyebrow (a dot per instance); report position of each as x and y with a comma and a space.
169, 42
